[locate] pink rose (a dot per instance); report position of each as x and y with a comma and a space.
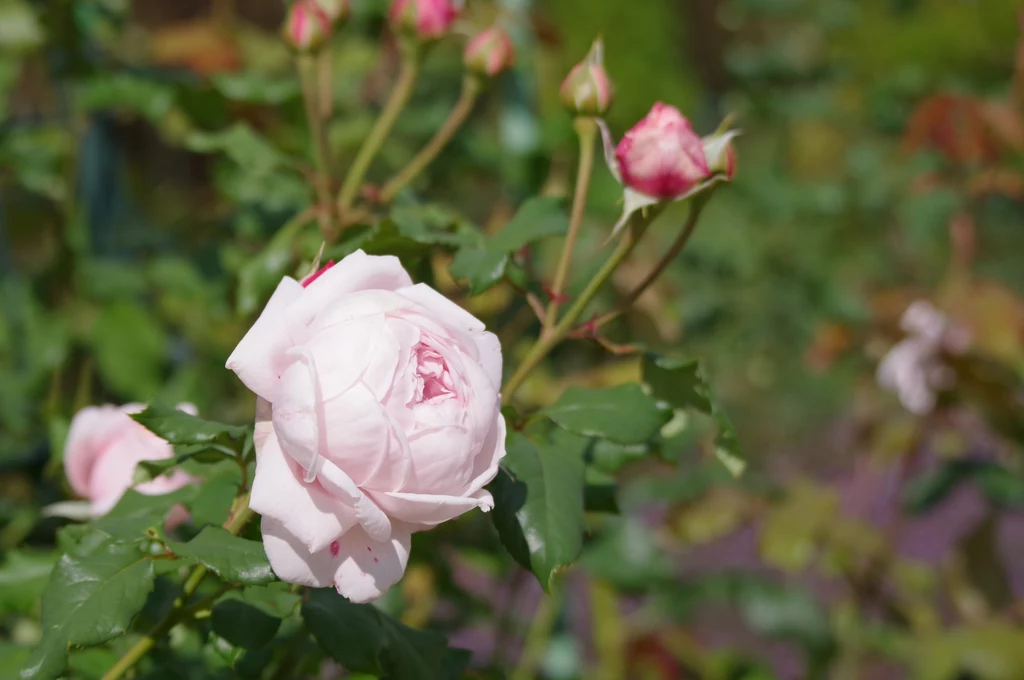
662, 159
662, 156
378, 415
490, 52
102, 449
426, 19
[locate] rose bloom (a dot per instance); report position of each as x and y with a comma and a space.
103, 447
378, 415
662, 156
427, 19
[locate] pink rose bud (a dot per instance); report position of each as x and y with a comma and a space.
490, 52
587, 90
102, 449
378, 415
425, 19
336, 11
307, 26
662, 157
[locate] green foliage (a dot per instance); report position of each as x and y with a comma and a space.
236, 560
624, 414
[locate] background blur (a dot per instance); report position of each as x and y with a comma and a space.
882, 162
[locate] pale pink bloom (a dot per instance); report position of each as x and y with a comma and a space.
662, 159
913, 368
378, 416
102, 449
426, 19
490, 52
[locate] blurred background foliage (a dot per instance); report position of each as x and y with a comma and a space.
154, 171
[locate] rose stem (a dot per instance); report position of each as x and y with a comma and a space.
389, 114
239, 516
546, 343
321, 153
471, 87
677, 247
586, 131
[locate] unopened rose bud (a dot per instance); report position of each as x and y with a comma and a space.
662, 157
490, 52
307, 26
424, 19
587, 90
720, 154
336, 11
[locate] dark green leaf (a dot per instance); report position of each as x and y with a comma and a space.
624, 413
179, 427
23, 577
89, 600
242, 624
483, 265
933, 486
538, 498
213, 499
682, 384
234, 559
365, 640
600, 498
241, 144
124, 91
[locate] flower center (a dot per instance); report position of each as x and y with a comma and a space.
433, 379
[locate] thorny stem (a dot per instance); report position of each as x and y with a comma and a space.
471, 87
396, 102
586, 130
238, 517
308, 72
547, 342
677, 247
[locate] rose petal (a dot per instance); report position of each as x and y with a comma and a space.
357, 272
343, 353
442, 309
489, 348
360, 439
259, 359
309, 513
485, 466
365, 568
296, 422
429, 510
91, 430
291, 560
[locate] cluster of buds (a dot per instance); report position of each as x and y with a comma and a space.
661, 159
309, 23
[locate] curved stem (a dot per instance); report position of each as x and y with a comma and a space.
239, 517
471, 87
538, 637
308, 67
547, 342
396, 102
677, 247
586, 130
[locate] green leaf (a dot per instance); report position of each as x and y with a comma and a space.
23, 577
241, 144
125, 91
148, 470
682, 384
624, 413
627, 555
257, 88
234, 559
213, 499
88, 601
365, 640
538, 505
242, 624
180, 428
130, 349
485, 264
138, 517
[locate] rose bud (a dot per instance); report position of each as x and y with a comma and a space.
662, 159
587, 90
103, 447
490, 52
336, 11
307, 26
424, 19
378, 415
